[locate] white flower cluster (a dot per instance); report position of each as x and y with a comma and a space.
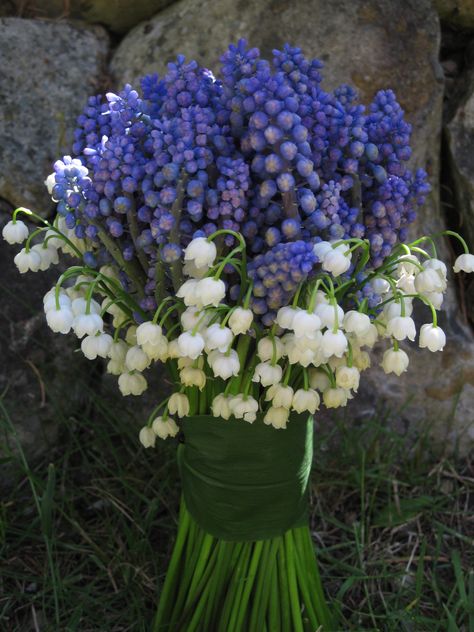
314, 354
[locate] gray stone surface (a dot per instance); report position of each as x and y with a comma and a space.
48, 70
117, 15
458, 13
372, 45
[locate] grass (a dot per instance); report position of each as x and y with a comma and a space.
85, 533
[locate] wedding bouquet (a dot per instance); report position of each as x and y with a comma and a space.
250, 233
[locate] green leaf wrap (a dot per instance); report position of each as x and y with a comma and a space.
245, 481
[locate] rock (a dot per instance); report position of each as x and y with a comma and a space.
42, 381
118, 16
48, 71
458, 13
372, 45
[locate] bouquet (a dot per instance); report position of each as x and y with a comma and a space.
250, 233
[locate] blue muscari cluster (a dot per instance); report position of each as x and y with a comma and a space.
264, 151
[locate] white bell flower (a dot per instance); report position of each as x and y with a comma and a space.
48, 256
327, 314
132, 384
173, 349
149, 333
191, 345
276, 417
218, 337
335, 362
79, 306
395, 361
408, 264
297, 355
267, 374
432, 337
26, 261
321, 249
158, 351
188, 292
49, 299
60, 320
244, 407
191, 270
401, 327
50, 182
192, 376
178, 404
335, 397
440, 268
266, 348
368, 338
15, 232
429, 281
318, 380
115, 368
192, 317
337, 261
334, 343
87, 325
464, 263
306, 400
96, 346
164, 428
406, 283
348, 377
435, 298
201, 252
305, 324
394, 308
380, 286
281, 396
147, 437
220, 406
136, 359
304, 343
118, 351
285, 316
240, 320
185, 362
356, 322
361, 359
225, 366
210, 291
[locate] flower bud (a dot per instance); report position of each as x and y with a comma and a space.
147, 437
240, 321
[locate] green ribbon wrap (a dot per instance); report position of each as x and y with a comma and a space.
245, 481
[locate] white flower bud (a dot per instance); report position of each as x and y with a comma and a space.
223, 365
306, 400
191, 317
191, 376
150, 333
244, 407
49, 299
147, 437
266, 348
201, 252
464, 263
164, 428
178, 404
220, 406
429, 281
218, 337
276, 417
395, 361
285, 316
327, 314
240, 321
210, 291
280, 396
394, 308
267, 374
432, 337
335, 397
188, 292
26, 261
136, 359
79, 306
60, 320
401, 327
15, 232
361, 359
337, 261
356, 322
132, 384
190, 346
348, 377
118, 351
321, 249
334, 343
380, 286
305, 324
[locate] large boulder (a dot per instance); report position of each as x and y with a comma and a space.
118, 16
372, 45
48, 71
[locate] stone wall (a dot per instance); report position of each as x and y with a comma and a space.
54, 54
